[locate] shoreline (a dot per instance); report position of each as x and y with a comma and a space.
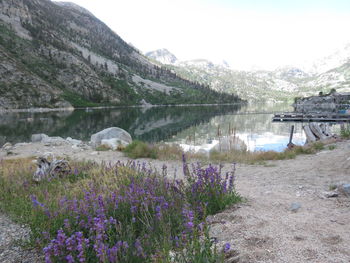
114, 107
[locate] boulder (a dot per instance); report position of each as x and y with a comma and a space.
111, 133
39, 137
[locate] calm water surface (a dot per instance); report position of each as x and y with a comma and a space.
194, 127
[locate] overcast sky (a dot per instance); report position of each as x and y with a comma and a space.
246, 33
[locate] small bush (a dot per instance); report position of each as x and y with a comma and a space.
331, 147
318, 146
138, 149
168, 151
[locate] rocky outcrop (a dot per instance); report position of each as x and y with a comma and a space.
58, 141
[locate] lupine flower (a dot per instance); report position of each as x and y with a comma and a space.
99, 224
227, 247
35, 202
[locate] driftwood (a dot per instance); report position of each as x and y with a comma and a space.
317, 132
310, 137
48, 170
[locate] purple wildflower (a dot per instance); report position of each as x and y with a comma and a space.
227, 247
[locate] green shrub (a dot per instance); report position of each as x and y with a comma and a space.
138, 149
331, 147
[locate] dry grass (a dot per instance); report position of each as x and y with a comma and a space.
174, 152
260, 157
102, 148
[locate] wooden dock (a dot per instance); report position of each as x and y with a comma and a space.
307, 117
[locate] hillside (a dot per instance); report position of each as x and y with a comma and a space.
59, 54
283, 83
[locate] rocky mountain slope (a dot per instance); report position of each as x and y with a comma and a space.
283, 83
58, 54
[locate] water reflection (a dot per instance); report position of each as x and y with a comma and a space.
251, 125
147, 124
196, 127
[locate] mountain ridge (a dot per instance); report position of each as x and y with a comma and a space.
282, 83
59, 54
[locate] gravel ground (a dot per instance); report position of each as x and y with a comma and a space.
11, 237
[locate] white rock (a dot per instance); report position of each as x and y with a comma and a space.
20, 144
39, 137
331, 194
73, 141
111, 133
54, 141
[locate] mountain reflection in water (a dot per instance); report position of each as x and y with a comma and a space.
188, 125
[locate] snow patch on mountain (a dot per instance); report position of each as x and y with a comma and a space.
163, 56
334, 60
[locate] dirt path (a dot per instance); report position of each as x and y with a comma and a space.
264, 229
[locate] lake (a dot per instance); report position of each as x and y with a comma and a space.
194, 127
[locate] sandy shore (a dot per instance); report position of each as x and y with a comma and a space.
265, 228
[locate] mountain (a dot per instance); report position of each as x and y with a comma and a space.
336, 59
284, 83
163, 56
55, 54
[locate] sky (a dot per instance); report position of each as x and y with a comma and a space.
248, 34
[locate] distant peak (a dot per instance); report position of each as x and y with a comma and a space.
163, 56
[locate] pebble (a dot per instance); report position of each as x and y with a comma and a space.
331, 194
295, 207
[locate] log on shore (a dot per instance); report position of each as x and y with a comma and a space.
317, 132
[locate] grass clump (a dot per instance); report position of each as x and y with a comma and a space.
102, 148
162, 151
332, 147
345, 133
138, 149
118, 213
